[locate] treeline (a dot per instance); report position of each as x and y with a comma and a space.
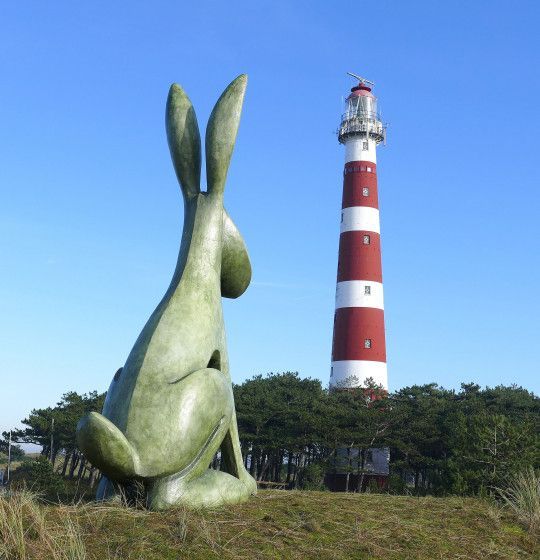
292, 429
440, 441
53, 429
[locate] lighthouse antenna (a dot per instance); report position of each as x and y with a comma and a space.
360, 79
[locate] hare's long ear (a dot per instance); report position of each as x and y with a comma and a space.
221, 133
184, 140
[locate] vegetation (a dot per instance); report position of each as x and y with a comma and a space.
275, 524
522, 496
40, 476
28, 530
471, 442
57, 425
466, 442
17, 454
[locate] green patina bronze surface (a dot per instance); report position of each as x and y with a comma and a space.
171, 408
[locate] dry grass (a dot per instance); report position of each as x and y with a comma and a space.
523, 497
275, 524
26, 532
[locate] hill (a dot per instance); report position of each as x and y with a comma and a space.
275, 524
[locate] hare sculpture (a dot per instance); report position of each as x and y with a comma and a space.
171, 407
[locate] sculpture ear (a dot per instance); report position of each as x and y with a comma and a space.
221, 133
235, 265
184, 140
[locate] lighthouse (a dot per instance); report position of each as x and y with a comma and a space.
359, 348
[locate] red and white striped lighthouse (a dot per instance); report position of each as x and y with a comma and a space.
358, 349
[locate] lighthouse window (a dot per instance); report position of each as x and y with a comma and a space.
364, 146
367, 343
369, 169
367, 240
365, 191
367, 290
342, 217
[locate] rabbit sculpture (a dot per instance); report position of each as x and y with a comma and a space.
171, 407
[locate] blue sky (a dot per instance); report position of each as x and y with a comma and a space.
91, 214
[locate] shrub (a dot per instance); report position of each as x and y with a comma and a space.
312, 477
372, 487
396, 485
40, 476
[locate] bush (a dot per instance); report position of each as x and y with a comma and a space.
396, 485
41, 477
522, 496
312, 477
372, 487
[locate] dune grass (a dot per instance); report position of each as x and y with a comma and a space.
27, 530
522, 496
275, 524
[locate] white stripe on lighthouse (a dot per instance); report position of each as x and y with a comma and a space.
360, 370
359, 293
360, 218
355, 149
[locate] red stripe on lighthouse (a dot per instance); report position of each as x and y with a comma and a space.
354, 326
360, 166
359, 260
354, 193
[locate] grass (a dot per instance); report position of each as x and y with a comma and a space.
523, 497
28, 531
275, 524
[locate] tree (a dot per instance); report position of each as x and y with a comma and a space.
17, 453
360, 420
420, 434
66, 414
291, 428
278, 422
496, 447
